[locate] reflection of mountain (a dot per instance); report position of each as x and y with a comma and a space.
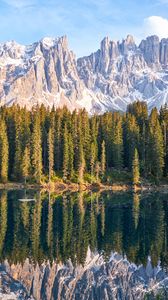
98, 279
61, 229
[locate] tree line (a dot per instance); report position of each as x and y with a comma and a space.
43, 144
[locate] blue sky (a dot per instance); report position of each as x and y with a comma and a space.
85, 22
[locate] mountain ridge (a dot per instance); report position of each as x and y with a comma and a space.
109, 79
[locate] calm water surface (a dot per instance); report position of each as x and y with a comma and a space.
64, 228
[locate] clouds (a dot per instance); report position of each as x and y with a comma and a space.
156, 25
85, 22
163, 1
19, 3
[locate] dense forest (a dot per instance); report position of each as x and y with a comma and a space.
43, 145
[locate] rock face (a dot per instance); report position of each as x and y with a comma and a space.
97, 279
118, 73
44, 72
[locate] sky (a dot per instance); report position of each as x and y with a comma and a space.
85, 22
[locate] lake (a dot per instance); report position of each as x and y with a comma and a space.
83, 245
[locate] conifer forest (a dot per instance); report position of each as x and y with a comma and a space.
45, 145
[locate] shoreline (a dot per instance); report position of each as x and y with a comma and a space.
73, 187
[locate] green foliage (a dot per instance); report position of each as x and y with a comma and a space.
42, 142
135, 168
4, 152
156, 147
36, 149
71, 156
65, 154
89, 178
116, 176
26, 164
103, 158
117, 141
50, 153
131, 139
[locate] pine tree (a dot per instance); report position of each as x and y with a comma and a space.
92, 158
81, 162
117, 141
71, 156
58, 142
131, 139
140, 111
93, 143
26, 164
65, 154
155, 153
36, 149
75, 132
103, 158
4, 152
37, 141
135, 168
50, 153
164, 125
85, 127
106, 128
97, 170
10, 124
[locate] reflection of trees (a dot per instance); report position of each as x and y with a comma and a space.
164, 253
102, 218
35, 227
78, 221
67, 226
3, 219
136, 199
64, 227
93, 223
113, 230
157, 231
131, 244
50, 224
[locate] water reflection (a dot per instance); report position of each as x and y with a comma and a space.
62, 227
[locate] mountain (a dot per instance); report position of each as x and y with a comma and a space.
118, 73
115, 278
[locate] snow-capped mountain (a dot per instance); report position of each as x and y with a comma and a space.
118, 73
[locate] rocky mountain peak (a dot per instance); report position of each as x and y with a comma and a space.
49, 42
108, 79
151, 49
12, 50
164, 52
127, 45
130, 39
104, 44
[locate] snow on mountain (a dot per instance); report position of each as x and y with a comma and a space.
115, 75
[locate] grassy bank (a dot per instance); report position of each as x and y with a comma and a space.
114, 181
63, 187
